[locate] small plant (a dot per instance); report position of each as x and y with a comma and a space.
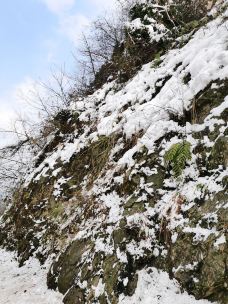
200, 186
177, 156
157, 60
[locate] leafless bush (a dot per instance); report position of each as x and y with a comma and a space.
105, 35
184, 11
31, 134
49, 97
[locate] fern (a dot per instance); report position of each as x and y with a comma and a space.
177, 156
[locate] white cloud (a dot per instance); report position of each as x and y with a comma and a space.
103, 4
17, 102
73, 25
25, 91
6, 115
59, 6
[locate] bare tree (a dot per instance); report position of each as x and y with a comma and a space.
50, 96
30, 134
97, 45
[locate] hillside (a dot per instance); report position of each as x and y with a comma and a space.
129, 196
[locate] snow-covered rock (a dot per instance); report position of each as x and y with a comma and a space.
104, 200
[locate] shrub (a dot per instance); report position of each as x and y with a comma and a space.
185, 11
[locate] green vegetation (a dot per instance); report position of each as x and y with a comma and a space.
177, 156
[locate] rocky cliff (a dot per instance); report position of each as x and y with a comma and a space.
136, 179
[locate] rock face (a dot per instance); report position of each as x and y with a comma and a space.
104, 201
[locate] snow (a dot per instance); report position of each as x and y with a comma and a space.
137, 110
155, 287
204, 57
155, 30
58, 186
99, 289
221, 240
200, 233
25, 285
218, 110
112, 201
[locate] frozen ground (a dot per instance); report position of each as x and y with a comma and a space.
155, 287
25, 285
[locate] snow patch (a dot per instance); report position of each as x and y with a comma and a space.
24, 285
155, 287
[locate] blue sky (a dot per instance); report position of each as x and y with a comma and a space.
36, 35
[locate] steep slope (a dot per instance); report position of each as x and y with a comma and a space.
136, 179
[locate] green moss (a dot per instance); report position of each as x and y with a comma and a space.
90, 161
57, 210
157, 60
67, 267
74, 296
219, 154
132, 206
112, 268
212, 96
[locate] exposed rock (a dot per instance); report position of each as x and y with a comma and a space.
105, 203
